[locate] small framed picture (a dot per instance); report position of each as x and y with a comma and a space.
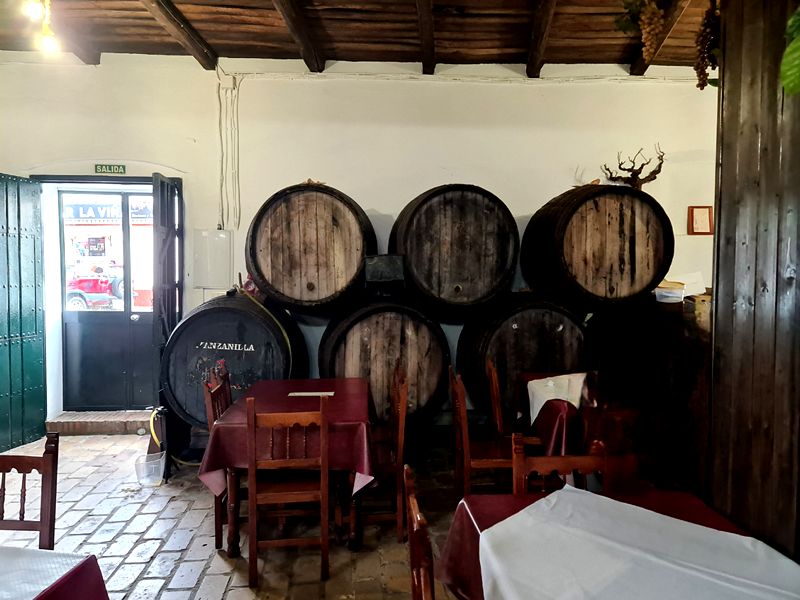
701, 220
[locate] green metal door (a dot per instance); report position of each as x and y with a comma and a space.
22, 374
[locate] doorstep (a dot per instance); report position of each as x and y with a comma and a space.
100, 422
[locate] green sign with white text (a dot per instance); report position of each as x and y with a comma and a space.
110, 169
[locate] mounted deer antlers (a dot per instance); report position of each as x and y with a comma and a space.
633, 179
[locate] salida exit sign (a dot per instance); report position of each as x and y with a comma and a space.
110, 169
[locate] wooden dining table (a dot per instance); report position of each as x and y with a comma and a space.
459, 566
48, 575
348, 433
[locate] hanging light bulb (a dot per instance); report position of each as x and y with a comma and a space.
48, 43
34, 10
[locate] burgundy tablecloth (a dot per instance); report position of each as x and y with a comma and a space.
85, 581
348, 427
47, 575
559, 427
459, 565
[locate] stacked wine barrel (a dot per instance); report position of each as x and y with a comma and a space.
460, 244
592, 249
598, 246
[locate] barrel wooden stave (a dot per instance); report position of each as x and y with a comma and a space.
526, 336
461, 244
370, 343
306, 245
256, 343
598, 245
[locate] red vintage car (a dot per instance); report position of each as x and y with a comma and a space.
92, 292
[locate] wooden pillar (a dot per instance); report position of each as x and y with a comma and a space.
756, 372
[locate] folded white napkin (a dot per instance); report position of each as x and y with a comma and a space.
561, 387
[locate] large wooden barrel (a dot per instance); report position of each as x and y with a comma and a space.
372, 340
460, 244
524, 336
597, 245
256, 342
306, 246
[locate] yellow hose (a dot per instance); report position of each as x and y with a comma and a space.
158, 442
153, 428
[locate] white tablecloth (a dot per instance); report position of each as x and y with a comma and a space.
27, 571
578, 545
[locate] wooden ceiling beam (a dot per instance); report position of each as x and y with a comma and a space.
425, 15
542, 20
301, 32
173, 20
672, 14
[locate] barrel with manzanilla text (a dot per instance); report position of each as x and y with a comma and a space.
256, 341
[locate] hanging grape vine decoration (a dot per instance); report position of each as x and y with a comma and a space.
645, 17
707, 45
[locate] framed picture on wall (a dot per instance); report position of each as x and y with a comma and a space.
701, 220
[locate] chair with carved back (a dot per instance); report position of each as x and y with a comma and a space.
221, 376
217, 402
420, 551
284, 478
550, 471
216, 392
47, 466
474, 455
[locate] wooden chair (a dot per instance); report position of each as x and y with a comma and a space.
473, 455
495, 397
420, 551
218, 400
551, 469
286, 480
221, 376
389, 453
47, 466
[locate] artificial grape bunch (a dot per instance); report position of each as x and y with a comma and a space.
707, 42
651, 23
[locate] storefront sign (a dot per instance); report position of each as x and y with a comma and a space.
107, 213
110, 169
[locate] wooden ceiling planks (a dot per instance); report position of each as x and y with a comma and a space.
366, 31
488, 32
427, 31
113, 26
588, 28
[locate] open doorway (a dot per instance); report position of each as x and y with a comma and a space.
101, 275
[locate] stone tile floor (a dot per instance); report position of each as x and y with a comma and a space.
158, 542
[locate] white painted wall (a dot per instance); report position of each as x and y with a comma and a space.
380, 133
